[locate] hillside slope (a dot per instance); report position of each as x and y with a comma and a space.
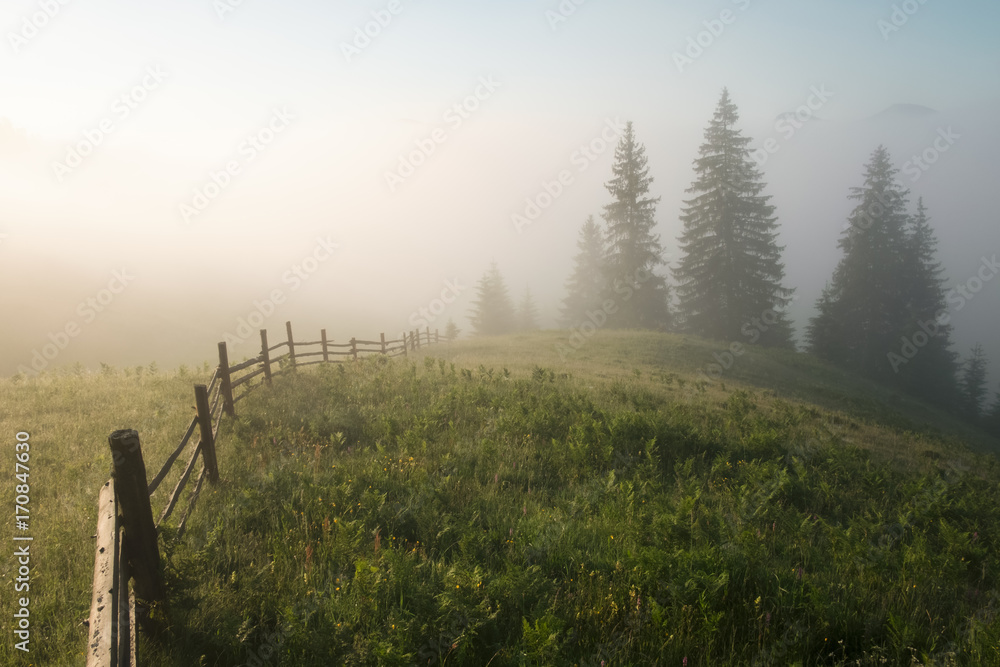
478, 503
505, 501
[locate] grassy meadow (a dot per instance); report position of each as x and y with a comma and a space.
487, 502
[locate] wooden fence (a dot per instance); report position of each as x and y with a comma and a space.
127, 549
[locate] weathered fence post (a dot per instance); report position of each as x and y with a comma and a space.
354, 348
265, 354
382, 338
428, 336
405, 345
322, 336
207, 439
131, 490
102, 638
228, 404
291, 343
416, 339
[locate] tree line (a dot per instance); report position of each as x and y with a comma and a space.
882, 314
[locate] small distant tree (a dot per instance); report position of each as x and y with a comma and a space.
973, 383
586, 286
527, 312
451, 330
492, 311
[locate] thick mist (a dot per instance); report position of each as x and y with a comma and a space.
170, 176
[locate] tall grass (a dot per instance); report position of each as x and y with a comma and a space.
417, 512
492, 504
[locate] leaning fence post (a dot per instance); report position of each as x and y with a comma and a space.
228, 404
382, 338
405, 350
291, 343
322, 335
207, 440
265, 354
137, 516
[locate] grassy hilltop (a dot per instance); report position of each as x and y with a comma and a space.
487, 502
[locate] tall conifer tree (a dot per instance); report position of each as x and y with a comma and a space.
730, 273
863, 313
642, 298
924, 361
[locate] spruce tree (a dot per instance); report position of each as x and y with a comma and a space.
527, 313
586, 286
924, 360
451, 330
730, 273
634, 252
973, 383
863, 314
492, 311
993, 420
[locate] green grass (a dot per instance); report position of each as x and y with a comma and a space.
485, 502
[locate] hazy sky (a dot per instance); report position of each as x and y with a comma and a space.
310, 116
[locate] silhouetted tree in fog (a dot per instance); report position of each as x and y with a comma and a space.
973, 383
993, 419
730, 274
527, 313
924, 360
863, 311
641, 297
451, 330
492, 311
586, 286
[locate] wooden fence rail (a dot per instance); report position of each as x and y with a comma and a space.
127, 550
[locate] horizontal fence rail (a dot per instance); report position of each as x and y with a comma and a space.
127, 572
